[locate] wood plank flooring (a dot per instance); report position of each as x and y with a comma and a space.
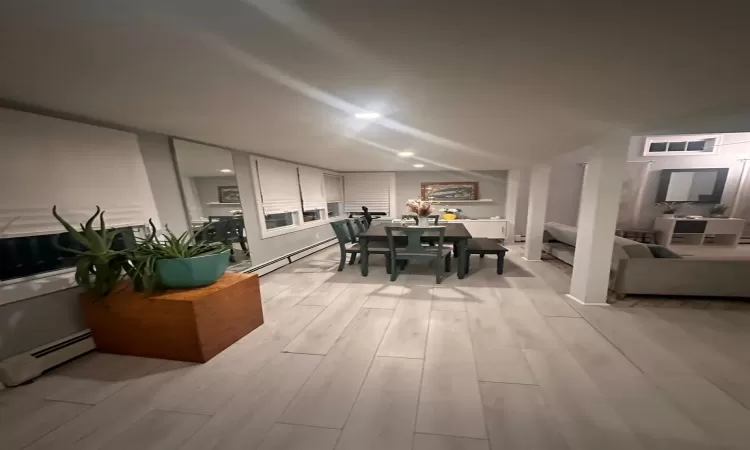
485, 363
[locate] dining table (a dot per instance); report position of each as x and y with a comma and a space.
455, 233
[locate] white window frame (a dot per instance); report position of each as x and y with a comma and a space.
340, 202
299, 223
682, 138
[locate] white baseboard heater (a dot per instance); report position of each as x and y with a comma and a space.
21, 368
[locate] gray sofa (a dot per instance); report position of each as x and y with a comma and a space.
644, 269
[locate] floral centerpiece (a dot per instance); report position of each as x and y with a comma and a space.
422, 209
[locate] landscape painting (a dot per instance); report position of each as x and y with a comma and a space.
451, 190
229, 194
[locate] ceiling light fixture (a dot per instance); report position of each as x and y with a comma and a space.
226, 170
367, 115
418, 166
405, 154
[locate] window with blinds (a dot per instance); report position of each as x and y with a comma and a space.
48, 161
279, 186
312, 189
334, 188
372, 190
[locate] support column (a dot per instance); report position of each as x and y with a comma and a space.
600, 204
538, 193
511, 204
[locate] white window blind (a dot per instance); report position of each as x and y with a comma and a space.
334, 188
47, 161
311, 186
367, 189
279, 186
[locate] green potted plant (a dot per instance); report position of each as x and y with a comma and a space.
177, 261
98, 267
170, 261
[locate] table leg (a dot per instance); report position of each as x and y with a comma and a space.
462, 258
364, 259
500, 262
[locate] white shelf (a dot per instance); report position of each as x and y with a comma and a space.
481, 200
223, 204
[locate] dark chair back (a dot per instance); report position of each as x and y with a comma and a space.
363, 224
410, 217
219, 218
414, 247
340, 229
435, 217
354, 230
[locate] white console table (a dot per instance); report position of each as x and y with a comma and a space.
486, 228
726, 232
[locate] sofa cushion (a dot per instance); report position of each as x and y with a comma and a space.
662, 252
562, 233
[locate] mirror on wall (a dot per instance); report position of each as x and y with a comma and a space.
212, 198
692, 185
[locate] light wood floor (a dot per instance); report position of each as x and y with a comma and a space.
346, 362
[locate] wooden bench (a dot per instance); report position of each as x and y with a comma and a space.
486, 246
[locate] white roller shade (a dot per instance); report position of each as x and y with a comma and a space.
334, 188
311, 186
279, 187
47, 161
368, 189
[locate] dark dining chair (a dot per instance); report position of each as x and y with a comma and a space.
346, 246
415, 251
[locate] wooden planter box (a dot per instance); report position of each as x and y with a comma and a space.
182, 324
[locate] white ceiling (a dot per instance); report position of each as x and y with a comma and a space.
466, 84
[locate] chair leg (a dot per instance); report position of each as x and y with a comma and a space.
468, 263
394, 269
388, 264
439, 271
481, 255
352, 259
448, 263
342, 262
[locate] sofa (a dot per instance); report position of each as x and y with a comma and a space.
646, 269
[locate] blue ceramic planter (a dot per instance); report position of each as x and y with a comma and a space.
192, 272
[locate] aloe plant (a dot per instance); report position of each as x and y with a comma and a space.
142, 260
99, 267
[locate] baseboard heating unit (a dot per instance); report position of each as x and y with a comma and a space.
21, 368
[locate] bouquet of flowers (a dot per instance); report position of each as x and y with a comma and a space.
419, 207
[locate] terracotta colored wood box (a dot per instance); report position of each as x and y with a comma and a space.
182, 324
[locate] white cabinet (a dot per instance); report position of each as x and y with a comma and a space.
694, 231
486, 228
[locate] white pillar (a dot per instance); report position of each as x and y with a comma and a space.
600, 204
538, 193
511, 203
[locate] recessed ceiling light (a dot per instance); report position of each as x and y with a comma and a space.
226, 170
367, 115
418, 166
405, 154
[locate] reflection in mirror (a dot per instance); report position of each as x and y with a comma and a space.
212, 197
692, 185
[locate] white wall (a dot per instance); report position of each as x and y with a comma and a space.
733, 147
564, 198
492, 185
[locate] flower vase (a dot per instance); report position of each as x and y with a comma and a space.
423, 221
